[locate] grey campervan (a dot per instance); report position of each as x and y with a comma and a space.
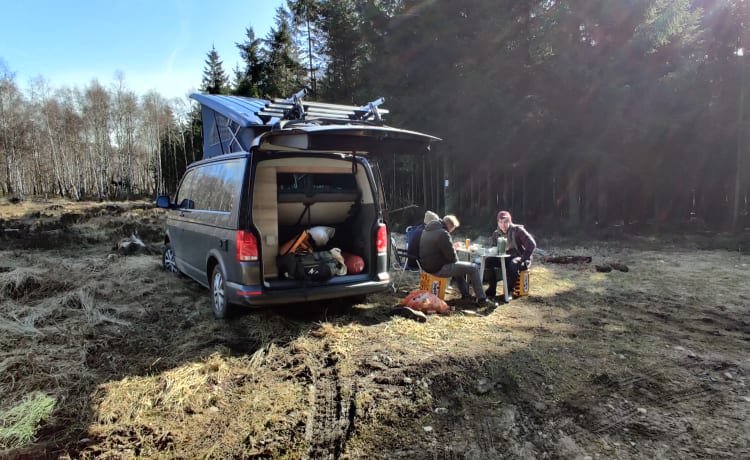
271, 170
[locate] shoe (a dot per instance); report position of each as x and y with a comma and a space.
462, 303
486, 306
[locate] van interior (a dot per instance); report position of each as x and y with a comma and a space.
291, 194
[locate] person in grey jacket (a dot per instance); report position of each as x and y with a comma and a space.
438, 257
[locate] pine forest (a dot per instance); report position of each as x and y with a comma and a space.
570, 113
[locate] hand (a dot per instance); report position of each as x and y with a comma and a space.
527, 264
516, 260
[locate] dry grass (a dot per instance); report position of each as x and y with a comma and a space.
645, 364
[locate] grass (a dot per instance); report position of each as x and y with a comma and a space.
19, 424
139, 367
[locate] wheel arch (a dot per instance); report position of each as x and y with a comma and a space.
212, 260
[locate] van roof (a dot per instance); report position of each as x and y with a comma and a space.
236, 123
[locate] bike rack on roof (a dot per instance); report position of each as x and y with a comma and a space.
294, 108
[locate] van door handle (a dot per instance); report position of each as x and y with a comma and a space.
224, 244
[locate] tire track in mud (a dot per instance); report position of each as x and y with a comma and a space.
332, 411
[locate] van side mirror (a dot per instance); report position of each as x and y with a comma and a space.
162, 201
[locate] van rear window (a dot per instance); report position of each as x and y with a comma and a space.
315, 183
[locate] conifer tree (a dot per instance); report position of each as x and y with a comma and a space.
284, 74
215, 81
304, 16
249, 78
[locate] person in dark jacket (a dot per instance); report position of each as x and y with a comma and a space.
438, 257
520, 247
413, 237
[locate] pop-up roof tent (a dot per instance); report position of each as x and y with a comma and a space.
234, 123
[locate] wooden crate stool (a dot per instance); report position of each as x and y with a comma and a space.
433, 284
523, 285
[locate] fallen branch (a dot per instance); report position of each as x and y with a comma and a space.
567, 260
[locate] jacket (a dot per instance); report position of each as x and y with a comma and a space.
436, 247
520, 242
413, 238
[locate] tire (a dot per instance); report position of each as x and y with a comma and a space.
219, 303
168, 260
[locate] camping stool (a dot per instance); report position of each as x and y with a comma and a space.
522, 285
433, 284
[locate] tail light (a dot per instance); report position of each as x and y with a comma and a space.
382, 241
247, 246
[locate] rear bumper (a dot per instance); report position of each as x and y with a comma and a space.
256, 296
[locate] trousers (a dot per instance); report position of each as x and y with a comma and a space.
512, 271
458, 271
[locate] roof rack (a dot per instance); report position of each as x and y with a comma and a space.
295, 109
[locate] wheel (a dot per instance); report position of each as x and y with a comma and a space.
219, 293
168, 260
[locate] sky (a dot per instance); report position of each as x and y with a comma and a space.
159, 45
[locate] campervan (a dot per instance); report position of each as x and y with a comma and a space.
272, 170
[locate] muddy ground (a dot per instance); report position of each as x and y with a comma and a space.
649, 363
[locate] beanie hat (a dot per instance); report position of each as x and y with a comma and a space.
430, 216
503, 215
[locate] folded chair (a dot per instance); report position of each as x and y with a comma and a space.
400, 258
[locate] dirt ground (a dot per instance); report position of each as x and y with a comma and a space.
652, 363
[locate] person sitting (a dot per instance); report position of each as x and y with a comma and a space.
438, 257
413, 237
520, 248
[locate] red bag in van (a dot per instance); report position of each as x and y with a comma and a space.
354, 263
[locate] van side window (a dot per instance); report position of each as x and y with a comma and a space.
200, 189
228, 180
182, 199
217, 186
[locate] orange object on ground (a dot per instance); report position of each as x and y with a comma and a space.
425, 302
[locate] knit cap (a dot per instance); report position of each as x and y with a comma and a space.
430, 216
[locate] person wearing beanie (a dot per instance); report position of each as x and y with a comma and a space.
413, 237
438, 257
520, 248
430, 216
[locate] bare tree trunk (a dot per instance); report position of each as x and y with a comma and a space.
471, 209
524, 195
740, 148
574, 216
20, 189
601, 196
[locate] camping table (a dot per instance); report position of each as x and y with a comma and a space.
484, 254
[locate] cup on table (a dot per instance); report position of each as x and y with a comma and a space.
468, 244
502, 245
